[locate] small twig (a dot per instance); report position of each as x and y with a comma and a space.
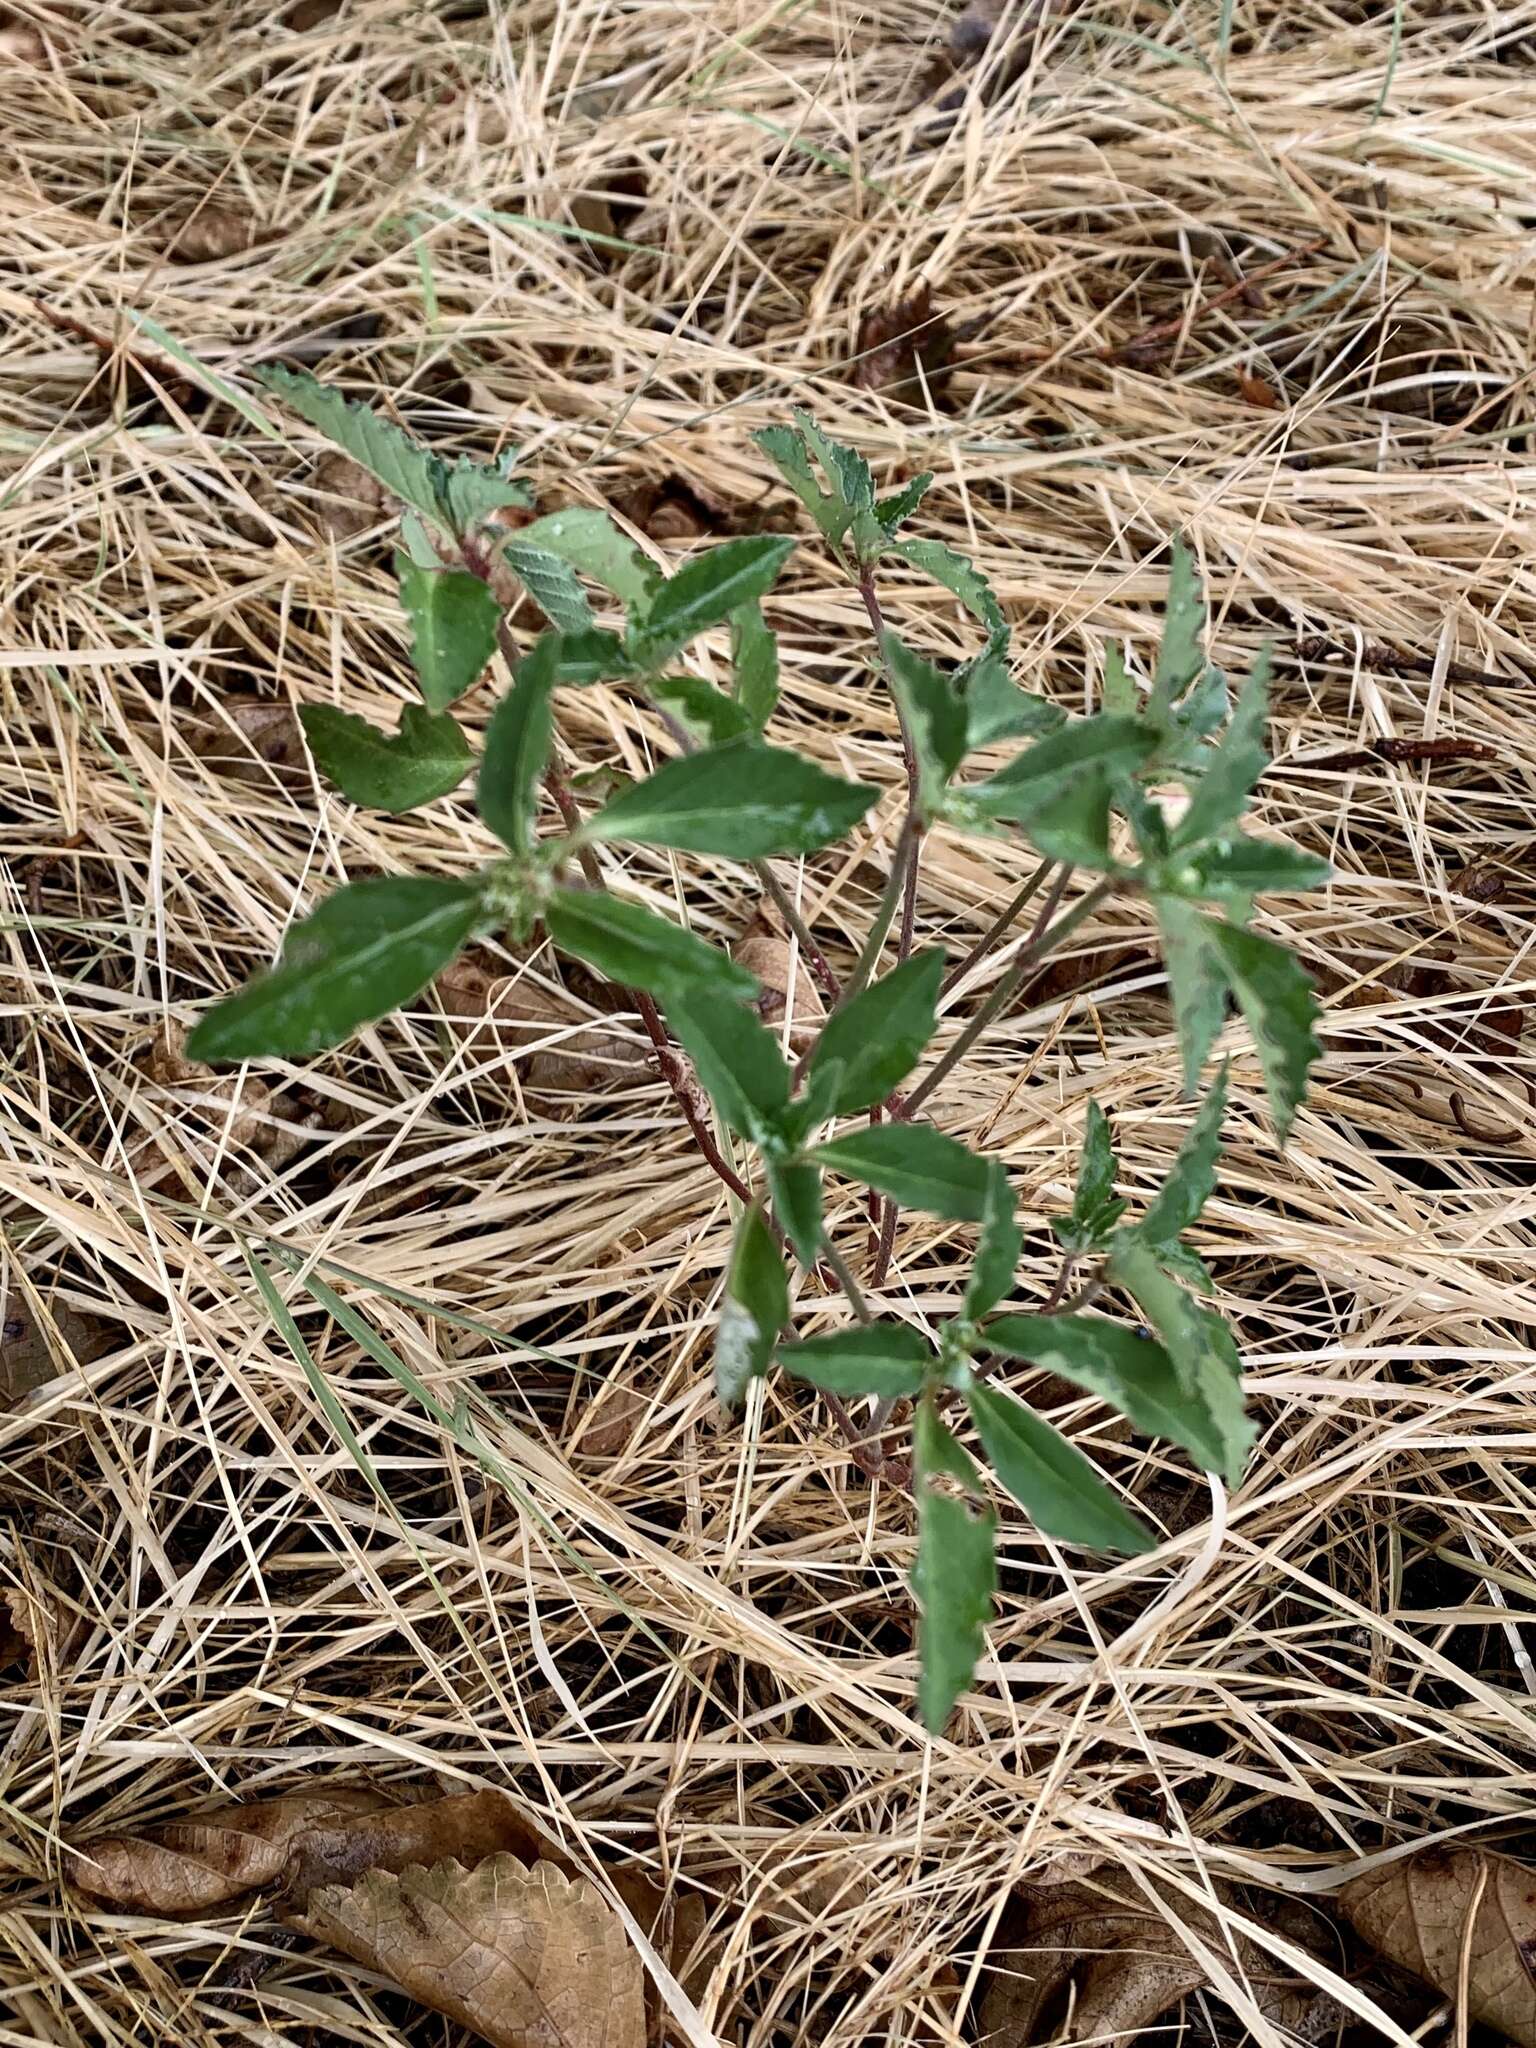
1412, 752
1170, 329
1059, 1286
1029, 958
999, 928
846, 1281
1383, 660
147, 362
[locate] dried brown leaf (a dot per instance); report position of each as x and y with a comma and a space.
1257, 391
32, 1354
465, 1828
669, 508
26, 1628
568, 1053
904, 348
205, 1123
21, 43
1418, 1913
212, 231
249, 737
352, 500
1124, 1963
609, 1427
525, 1957
765, 950
192, 1866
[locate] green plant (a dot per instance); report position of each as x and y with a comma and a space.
1079, 791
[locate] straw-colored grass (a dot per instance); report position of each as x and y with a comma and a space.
676, 1637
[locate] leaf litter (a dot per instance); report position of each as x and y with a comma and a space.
468, 1904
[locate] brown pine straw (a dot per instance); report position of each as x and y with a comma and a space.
676, 1637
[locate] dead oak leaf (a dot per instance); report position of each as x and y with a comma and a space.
467, 1827
1104, 1943
526, 1958
1420, 1914
193, 1866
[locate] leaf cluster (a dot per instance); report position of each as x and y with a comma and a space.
1089, 792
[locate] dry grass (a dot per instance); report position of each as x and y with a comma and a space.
675, 1638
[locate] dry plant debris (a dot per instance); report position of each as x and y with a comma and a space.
525, 1958
467, 1904
1464, 1921
665, 1639
1111, 1954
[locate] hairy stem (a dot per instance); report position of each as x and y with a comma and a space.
999, 927
871, 599
1029, 958
670, 1064
784, 903
846, 1281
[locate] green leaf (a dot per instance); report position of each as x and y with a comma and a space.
1034, 779
551, 583
997, 1253
743, 800
699, 708
552, 553
389, 771
1233, 769
1205, 707
846, 470
997, 709
917, 1165
1073, 825
1121, 698
754, 664
737, 1060
899, 507
453, 628
1131, 1372
517, 747
1187, 1266
877, 1038
372, 946
957, 576
934, 713
707, 591
1237, 870
755, 1308
1097, 1168
472, 491
591, 655
791, 457
1197, 981
1274, 992
1193, 1173
590, 542
1199, 1346
412, 472
890, 1360
1095, 1207
1050, 1478
1181, 657
955, 1575
638, 949
796, 1191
